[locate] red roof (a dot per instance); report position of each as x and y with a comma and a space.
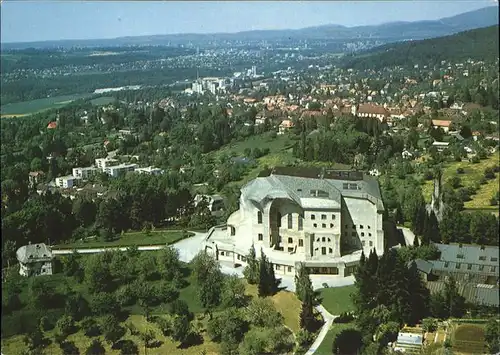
52, 125
441, 123
373, 109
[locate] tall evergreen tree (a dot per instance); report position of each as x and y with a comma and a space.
419, 296
433, 228
302, 282
419, 219
251, 271
306, 316
267, 281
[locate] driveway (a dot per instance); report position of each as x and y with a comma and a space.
328, 318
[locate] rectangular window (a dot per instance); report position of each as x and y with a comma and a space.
278, 267
323, 239
353, 226
353, 234
289, 269
481, 267
259, 217
290, 249
368, 227
369, 234
301, 242
330, 251
345, 186
222, 253
323, 250
360, 226
228, 253
290, 221
371, 243
301, 222
362, 234
290, 240
457, 266
460, 256
313, 217
469, 266
446, 264
363, 242
494, 259
323, 216
323, 225
261, 237
315, 225
331, 225
333, 216
493, 268
482, 258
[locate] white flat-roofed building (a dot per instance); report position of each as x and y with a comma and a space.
67, 182
322, 218
440, 146
103, 163
85, 173
118, 170
149, 170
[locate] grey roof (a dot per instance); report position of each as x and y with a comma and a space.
297, 184
407, 338
473, 292
33, 253
469, 254
422, 265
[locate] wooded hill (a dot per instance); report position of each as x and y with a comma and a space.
478, 44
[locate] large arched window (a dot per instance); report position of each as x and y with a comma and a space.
259, 217
278, 222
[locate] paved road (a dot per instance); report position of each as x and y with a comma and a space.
324, 330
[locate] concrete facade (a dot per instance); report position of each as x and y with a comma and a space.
324, 221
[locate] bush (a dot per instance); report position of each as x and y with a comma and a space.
90, 327
45, 324
488, 173
168, 292
65, 325
483, 181
429, 324
475, 159
125, 296
496, 168
455, 182
460, 171
344, 317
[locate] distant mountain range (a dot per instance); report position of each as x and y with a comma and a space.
388, 32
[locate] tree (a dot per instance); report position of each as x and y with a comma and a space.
90, 327
492, 335
77, 306
168, 263
261, 312
95, 348
303, 285
34, 339
113, 333
146, 266
65, 325
97, 274
251, 271
104, 303
128, 347
209, 278
429, 324
347, 342
147, 337
233, 292
69, 348
254, 342
267, 281
8, 252
181, 329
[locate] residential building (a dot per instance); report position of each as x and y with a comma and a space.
149, 170
475, 269
34, 259
323, 218
444, 124
85, 173
119, 170
35, 177
440, 146
67, 182
370, 111
215, 203
102, 163
284, 126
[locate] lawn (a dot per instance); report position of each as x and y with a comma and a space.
160, 237
30, 107
471, 176
261, 141
468, 339
337, 299
104, 100
286, 303
325, 347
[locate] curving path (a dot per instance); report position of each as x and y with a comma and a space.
328, 318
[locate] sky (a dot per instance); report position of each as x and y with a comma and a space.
26, 21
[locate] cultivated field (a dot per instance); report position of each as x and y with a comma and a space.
468, 339
30, 107
471, 176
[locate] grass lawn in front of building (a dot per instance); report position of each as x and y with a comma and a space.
139, 238
337, 300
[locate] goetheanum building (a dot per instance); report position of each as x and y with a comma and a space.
323, 218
